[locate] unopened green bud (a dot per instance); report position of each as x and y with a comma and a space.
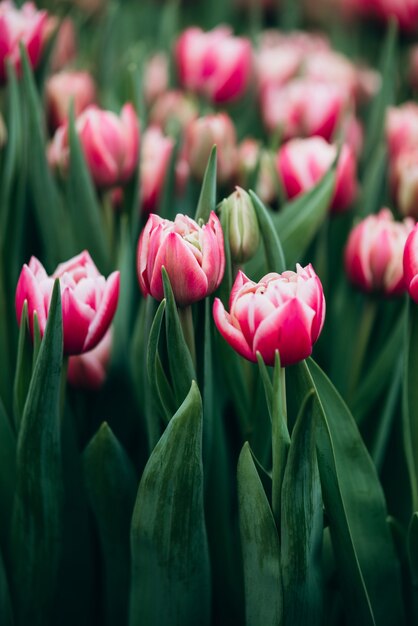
244, 233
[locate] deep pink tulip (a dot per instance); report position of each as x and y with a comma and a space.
410, 264
66, 87
283, 312
25, 25
215, 64
301, 163
110, 144
405, 12
192, 255
373, 255
402, 128
89, 301
89, 370
155, 159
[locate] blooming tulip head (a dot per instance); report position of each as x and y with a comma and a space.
89, 370
214, 64
301, 163
192, 255
155, 158
88, 300
410, 264
110, 144
283, 312
25, 25
373, 256
65, 87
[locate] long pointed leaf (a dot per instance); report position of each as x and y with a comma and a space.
207, 198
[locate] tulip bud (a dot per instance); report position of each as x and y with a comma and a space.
244, 232
192, 255
173, 109
65, 45
155, 159
25, 25
410, 264
373, 255
401, 128
201, 135
89, 370
66, 87
89, 301
283, 312
404, 178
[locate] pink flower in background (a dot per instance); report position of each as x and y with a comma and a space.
410, 264
301, 163
173, 108
88, 300
404, 180
63, 88
402, 128
25, 25
65, 44
89, 370
215, 64
405, 12
251, 155
110, 144
374, 251
156, 77
156, 153
283, 312
192, 255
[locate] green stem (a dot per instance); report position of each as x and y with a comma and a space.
186, 320
362, 342
280, 438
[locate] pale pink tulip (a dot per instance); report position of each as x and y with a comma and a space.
156, 153
66, 87
89, 370
402, 128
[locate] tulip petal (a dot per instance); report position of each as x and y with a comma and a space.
187, 278
28, 289
229, 332
104, 313
76, 319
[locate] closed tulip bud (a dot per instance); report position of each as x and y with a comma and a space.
89, 370
301, 163
373, 255
110, 145
244, 232
66, 87
25, 25
404, 178
410, 264
88, 300
192, 255
201, 135
173, 109
401, 128
155, 159
283, 312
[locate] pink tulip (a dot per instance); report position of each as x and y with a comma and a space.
201, 135
251, 155
173, 108
214, 64
404, 180
402, 128
89, 370
192, 255
110, 144
65, 45
373, 255
410, 264
301, 163
63, 88
25, 25
155, 159
156, 77
405, 12
283, 312
89, 301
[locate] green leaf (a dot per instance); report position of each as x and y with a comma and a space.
279, 434
5, 343
410, 399
227, 281
170, 568
208, 384
355, 507
7, 480
275, 259
375, 176
23, 371
37, 509
302, 525
179, 358
412, 542
260, 548
5, 599
111, 487
299, 221
207, 198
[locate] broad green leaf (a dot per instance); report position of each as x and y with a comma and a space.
170, 568
23, 371
207, 198
412, 544
7, 480
260, 548
37, 512
179, 358
355, 507
298, 221
302, 525
6, 611
272, 247
410, 399
375, 176
86, 218
111, 487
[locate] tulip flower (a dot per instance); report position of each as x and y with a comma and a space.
110, 144
89, 301
192, 255
373, 255
250, 157
410, 264
214, 64
173, 108
66, 87
25, 25
65, 44
155, 158
402, 128
301, 163
404, 180
283, 312
89, 370
156, 77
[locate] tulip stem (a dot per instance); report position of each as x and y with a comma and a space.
362, 341
186, 320
280, 437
